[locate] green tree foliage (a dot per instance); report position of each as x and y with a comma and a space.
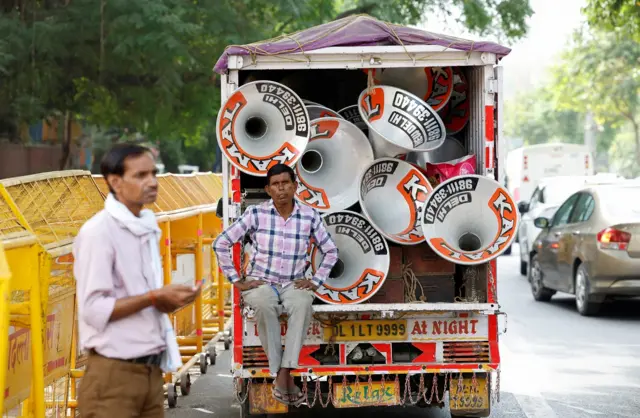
535, 117
146, 65
613, 15
599, 73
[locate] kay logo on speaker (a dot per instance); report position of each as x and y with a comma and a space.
367, 269
460, 192
235, 139
415, 189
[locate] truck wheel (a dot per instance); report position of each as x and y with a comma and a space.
585, 306
540, 293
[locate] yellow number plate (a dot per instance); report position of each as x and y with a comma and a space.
472, 397
352, 395
261, 400
374, 330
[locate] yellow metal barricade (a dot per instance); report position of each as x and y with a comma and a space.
53, 206
39, 218
5, 298
25, 351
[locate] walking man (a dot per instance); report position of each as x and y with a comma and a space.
280, 231
122, 303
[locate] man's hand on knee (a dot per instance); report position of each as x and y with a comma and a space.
242, 286
305, 284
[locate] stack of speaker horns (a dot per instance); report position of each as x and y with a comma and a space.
358, 168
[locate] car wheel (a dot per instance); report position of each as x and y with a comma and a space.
539, 292
584, 306
524, 268
508, 250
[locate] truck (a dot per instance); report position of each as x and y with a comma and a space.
527, 165
433, 328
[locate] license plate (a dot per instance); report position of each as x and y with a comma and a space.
364, 394
261, 400
472, 397
374, 330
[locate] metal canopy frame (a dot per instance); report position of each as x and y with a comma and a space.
364, 57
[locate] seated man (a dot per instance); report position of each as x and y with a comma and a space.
280, 230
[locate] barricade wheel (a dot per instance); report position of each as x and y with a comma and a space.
212, 355
172, 395
203, 363
185, 384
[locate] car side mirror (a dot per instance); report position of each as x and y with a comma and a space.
523, 207
542, 223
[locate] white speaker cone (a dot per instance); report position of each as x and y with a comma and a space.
263, 123
392, 196
399, 122
329, 167
318, 111
433, 84
450, 150
352, 114
363, 259
470, 219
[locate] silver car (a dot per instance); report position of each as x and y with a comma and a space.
590, 247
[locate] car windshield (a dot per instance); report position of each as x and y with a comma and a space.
622, 203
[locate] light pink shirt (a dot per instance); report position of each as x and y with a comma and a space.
110, 264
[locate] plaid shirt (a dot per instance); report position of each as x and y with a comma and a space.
279, 246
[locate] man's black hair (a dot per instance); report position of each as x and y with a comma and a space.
113, 160
279, 169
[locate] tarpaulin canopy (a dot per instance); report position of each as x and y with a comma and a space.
359, 30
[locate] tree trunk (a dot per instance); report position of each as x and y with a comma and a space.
66, 142
636, 137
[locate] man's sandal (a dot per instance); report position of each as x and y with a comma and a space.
296, 398
279, 395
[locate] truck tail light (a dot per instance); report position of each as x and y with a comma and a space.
613, 239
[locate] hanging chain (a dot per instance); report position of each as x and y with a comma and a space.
492, 387
237, 383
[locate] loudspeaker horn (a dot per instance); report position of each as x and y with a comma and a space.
328, 170
352, 114
318, 111
433, 84
399, 122
363, 261
456, 113
392, 195
450, 150
263, 123
470, 219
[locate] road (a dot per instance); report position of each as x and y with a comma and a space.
556, 364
